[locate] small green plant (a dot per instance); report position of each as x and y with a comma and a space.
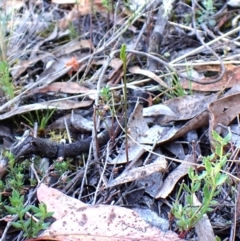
4, 17
29, 226
123, 57
72, 31
105, 94
41, 120
208, 5
189, 214
15, 176
177, 90
57, 136
62, 167
5, 80
107, 4
206, 14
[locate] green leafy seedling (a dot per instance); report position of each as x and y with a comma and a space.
29, 227
208, 182
5, 80
123, 57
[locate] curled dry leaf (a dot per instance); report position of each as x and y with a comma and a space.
187, 107
115, 63
137, 127
157, 110
160, 165
67, 87
60, 105
160, 134
204, 229
230, 79
77, 221
137, 70
223, 111
173, 178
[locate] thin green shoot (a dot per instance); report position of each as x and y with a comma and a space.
123, 57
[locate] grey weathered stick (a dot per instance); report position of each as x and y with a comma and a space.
157, 37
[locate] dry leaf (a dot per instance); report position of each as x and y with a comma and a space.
137, 127
223, 111
187, 107
134, 153
60, 105
204, 229
230, 78
137, 70
157, 110
66, 87
80, 222
158, 134
160, 165
173, 178
115, 63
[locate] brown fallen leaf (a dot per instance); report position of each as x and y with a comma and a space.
196, 122
65, 87
204, 229
115, 63
187, 107
159, 134
173, 178
60, 105
77, 221
137, 127
83, 8
148, 73
160, 165
230, 79
223, 111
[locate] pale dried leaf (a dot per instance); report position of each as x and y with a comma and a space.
60, 105
187, 107
137, 126
160, 165
134, 153
73, 46
204, 229
81, 123
158, 134
157, 110
223, 111
230, 79
173, 178
51, 197
115, 63
66, 87
138, 70
80, 222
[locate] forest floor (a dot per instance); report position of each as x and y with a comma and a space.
119, 120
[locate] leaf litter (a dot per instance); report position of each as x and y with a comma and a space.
64, 56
